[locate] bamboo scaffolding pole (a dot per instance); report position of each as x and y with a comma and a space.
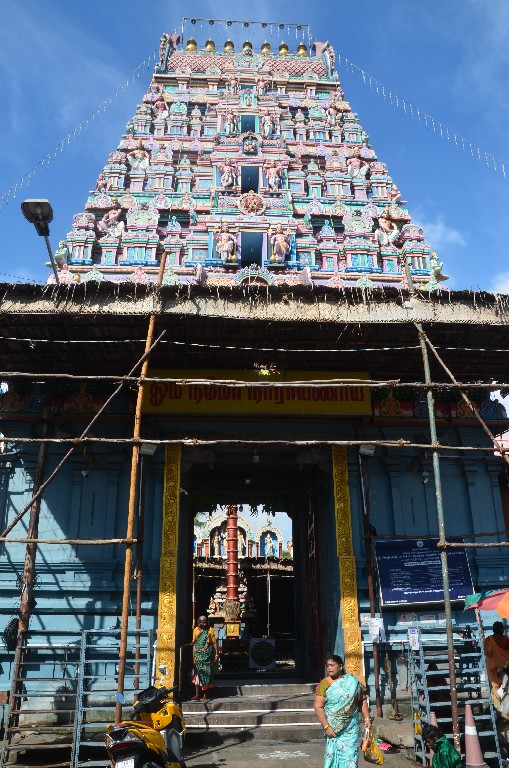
27, 586
472, 545
363, 474
8, 540
431, 536
441, 533
131, 515
499, 446
138, 573
69, 453
447, 544
85, 542
315, 383
195, 441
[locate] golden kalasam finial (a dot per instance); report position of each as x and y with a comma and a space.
302, 51
265, 48
229, 47
210, 46
247, 46
191, 45
283, 49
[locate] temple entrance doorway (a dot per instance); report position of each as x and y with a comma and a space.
265, 585
283, 509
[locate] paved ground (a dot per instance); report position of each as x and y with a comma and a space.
269, 754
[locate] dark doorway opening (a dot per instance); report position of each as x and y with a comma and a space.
247, 123
251, 248
249, 179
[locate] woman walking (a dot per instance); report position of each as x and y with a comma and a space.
204, 656
339, 699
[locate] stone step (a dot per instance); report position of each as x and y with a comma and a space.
254, 712
242, 718
249, 703
279, 688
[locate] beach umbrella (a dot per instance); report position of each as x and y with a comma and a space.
493, 600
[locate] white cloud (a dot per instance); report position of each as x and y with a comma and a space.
500, 283
439, 235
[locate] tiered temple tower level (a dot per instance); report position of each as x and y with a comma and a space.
246, 165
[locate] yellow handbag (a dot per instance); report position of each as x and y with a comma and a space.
372, 752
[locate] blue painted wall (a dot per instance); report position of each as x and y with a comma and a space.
80, 587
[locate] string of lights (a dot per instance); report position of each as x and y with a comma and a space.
230, 25
397, 101
19, 278
25, 180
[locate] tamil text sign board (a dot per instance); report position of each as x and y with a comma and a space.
410, 571
260, 396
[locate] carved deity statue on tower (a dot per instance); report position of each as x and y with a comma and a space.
281, 244
226, 244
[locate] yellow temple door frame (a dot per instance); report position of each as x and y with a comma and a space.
349, 604
166, 624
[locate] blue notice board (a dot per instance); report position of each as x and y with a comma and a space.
411, 572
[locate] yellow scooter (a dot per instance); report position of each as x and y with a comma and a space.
154, 738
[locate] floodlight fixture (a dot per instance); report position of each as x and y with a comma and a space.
40, 214
368, 449
148, 449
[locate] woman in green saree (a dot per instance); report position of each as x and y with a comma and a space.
204, 656
339, 699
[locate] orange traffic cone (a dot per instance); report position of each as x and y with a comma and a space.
473, 755
432, 721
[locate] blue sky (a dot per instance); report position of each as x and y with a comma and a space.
60, 60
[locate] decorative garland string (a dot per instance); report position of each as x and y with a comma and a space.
492, 162
51, 156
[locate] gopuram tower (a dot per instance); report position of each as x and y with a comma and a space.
244, 165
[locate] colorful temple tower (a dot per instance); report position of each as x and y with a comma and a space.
239, 166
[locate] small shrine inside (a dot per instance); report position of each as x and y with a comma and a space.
235, 568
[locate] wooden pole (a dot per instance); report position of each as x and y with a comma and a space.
369, 568
27, 588
131, 512
139, 568
441, 534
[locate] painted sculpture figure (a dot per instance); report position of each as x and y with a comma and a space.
226, 244
267, 123
280, 242
387, 231
357, 168
111, 223
160, 109
228, 174
230, 124
62, 254
273, 173
138, 158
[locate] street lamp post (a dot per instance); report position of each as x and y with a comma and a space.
40, 214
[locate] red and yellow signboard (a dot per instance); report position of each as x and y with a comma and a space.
261, 397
